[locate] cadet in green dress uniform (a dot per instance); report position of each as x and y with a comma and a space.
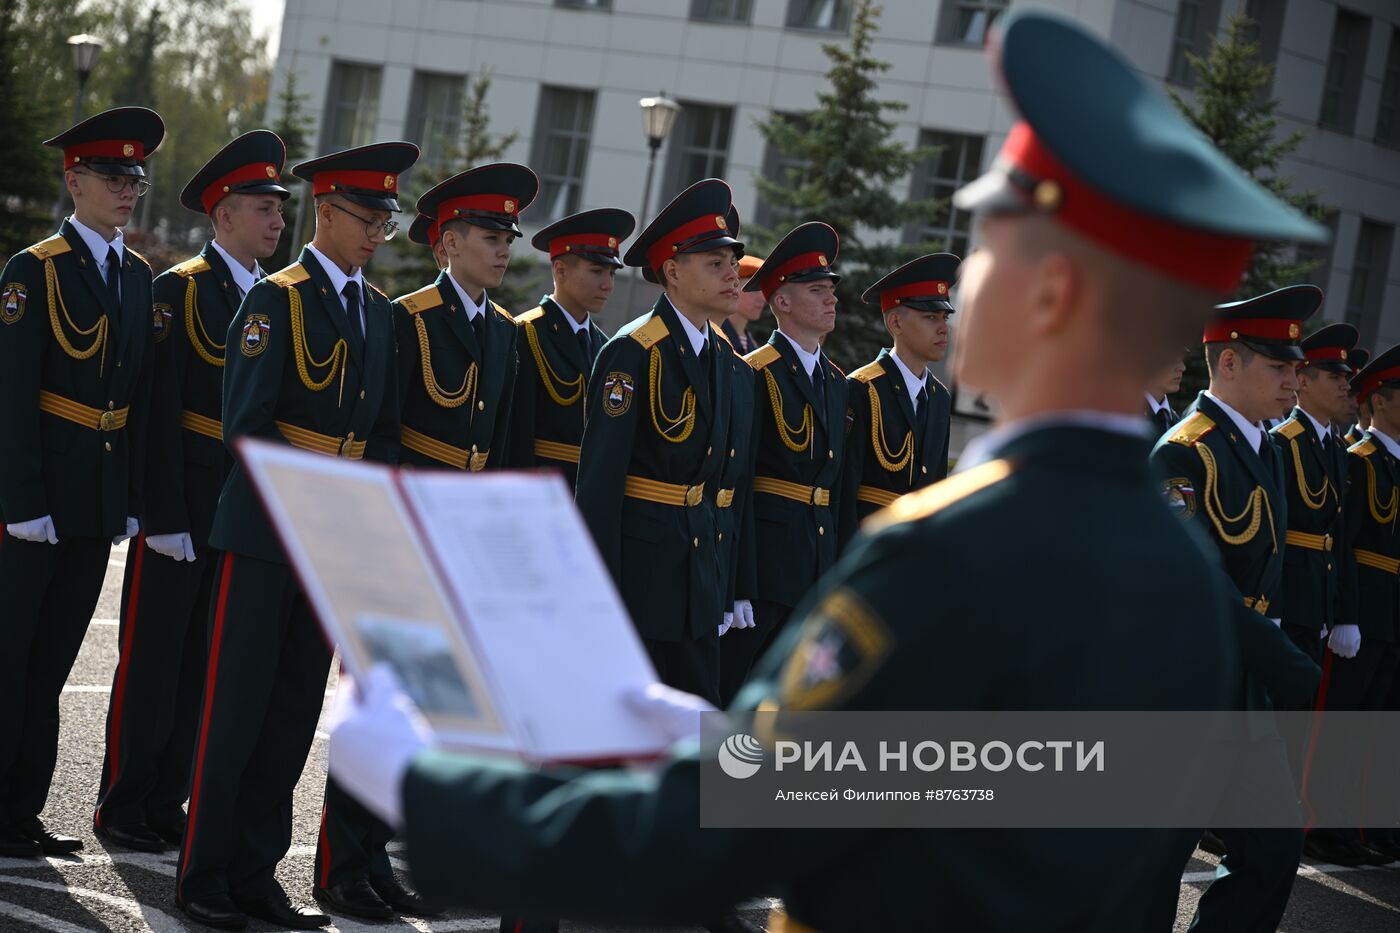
1354, 424
1361, 663
559, 339
899, 416
557, 833
799, 439
310, 363
424, 230
76, 341
1315, 477
656, 436
457, 347
1224, 475
1158, 408
153, 712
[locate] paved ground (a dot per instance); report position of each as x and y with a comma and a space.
123, 891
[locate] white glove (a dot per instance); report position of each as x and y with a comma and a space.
743, 614
176, 547
1345, 641
673, 713
38, 530
727, 623
374, 739
132, 526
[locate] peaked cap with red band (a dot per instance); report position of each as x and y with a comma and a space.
1358, 359
696, 221
1269, 324
113, 142
804, 255
1382, 371
489, 196
1102, 151
594, 235
424, 230
1332, 347
923, 284
251, 164
365, 175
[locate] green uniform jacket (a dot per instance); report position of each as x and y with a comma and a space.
293, 360
1115, 632
653, 416
1372, 501
70, 341
896, 453
737, 561
1315, 477
550, 391
187, 463
455, 395
798, 441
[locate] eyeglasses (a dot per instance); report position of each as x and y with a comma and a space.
372, 228
119, 183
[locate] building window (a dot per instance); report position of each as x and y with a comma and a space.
1388, 116
563, 126
957, 162
1320, 254
435, 115
1195, 24
1265, 28
699, 146
781, 169
585, 4
965, 22
1368, 276
1345, 62
830, 15
352, 106
722, 11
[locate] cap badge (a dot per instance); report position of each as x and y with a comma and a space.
510, 206
942, 288
1293, 331
388, 182
1048, 194
128, 150
612, 242
821, 259
720, 222
271, 172
1344, 354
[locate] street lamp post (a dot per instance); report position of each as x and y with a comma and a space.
658, 116
85, 49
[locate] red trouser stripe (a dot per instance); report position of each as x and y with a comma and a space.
1319, 705
114, 731
325, 852
216, 639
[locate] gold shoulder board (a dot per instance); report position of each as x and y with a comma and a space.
868, 373
191, 267
425, 299
650, 333
294, 274
139, 256
762, 357
1362, 448
931, 499
503, 312
719, 332
1188, 432
1289, 429
377, 290
55, 245
534, 314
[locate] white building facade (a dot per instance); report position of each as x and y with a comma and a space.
566, 75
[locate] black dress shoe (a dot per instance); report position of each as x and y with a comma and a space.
171, 830
1334, 851
279, 911
217, 911
16, 844
354, 897
50, 843
1212, 843
1389, 848
403, 899
137, 836
1375, 854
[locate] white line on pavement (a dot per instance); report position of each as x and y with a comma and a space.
87, 688
106, 621
156, 920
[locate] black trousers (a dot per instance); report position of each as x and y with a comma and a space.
692, 666
352, 842
154, 709
48, 593
264, 686
740, 649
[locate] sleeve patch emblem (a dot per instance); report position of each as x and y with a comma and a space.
1180, 495
12, 301
160, 321
255, 334
617, 393
843, 644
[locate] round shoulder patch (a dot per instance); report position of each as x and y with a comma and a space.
617, 393
12, 301
256, 332
1180, 493
160, 321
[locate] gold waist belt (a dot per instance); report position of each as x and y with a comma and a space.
807, 495
555, 450
653, 490
1311, 542
876, 496
458, 457
85, 415
345, 446
1378, 561
202, 425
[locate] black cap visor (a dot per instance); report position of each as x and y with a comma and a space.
1274, 350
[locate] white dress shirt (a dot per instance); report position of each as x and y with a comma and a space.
1389, 442
243, 278
695, 335
471, 307
915, 384
338, 280
1318, 426
98, 246
1251, 432
576, 325
809, 360
1155, 406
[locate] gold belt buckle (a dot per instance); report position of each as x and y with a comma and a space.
820, 496
693, 494
346, 444
477, 461
1327, 542
108, 421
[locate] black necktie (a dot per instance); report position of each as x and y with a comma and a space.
479, 329
922, 400
351, 291
819, 383
585, 344
114, 277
